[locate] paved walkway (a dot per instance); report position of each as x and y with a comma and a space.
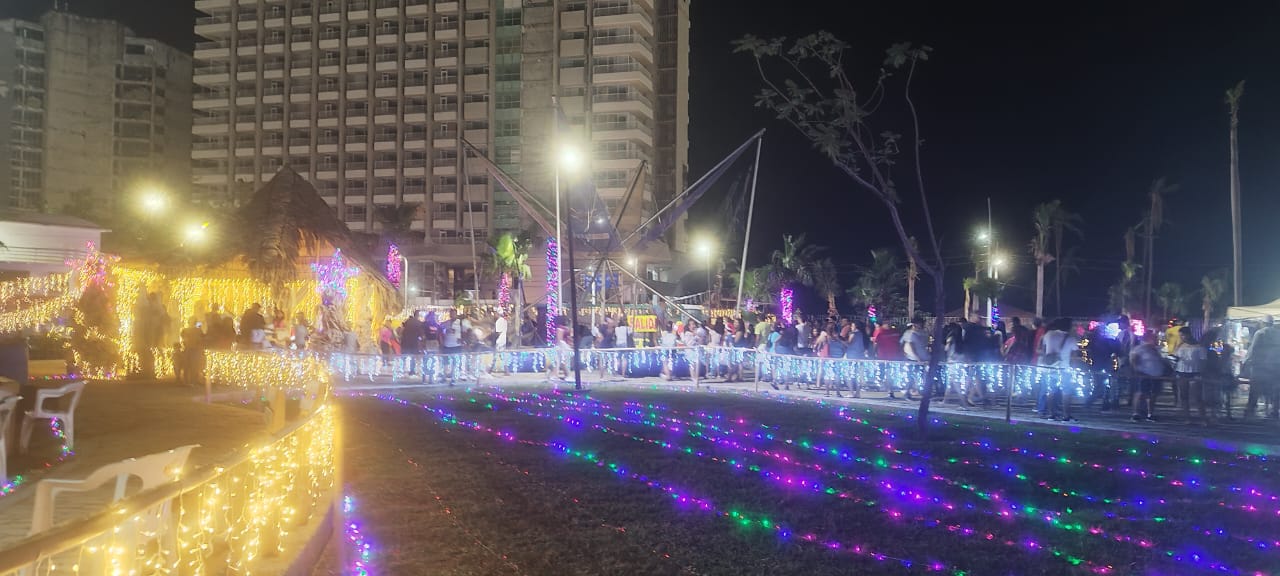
119, 420
1259, 435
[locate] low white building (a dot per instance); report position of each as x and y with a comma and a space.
36, 244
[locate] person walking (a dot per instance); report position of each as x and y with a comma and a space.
1050, 356
1191, 357
915, 345
300, 332
451, 346
193, 345
1263, 367
387, 343
412, 333
887, 341
1149, 366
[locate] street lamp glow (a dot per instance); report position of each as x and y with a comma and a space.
999, 261
704, 248
154, 200
984, 235
570, 160
196, 233
631, 262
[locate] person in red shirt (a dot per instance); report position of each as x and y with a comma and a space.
888, 342
1040, 329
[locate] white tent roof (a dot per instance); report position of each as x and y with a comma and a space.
1251, 312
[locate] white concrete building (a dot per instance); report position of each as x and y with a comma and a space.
36, 244
89, 112
370, 99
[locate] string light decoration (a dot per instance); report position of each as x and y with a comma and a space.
35, 315
872, 317
395, 265
360, 556
787, 298
553, 289
34, 287
304, 376
995, 315
504, 290
332, 276
824, 459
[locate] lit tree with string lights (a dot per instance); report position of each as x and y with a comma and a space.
809, 85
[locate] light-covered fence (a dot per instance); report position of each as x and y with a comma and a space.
696, 363
240, 517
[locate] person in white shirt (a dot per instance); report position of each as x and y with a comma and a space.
622, 334
500, 327
1191, 359
1149, 365
915, 345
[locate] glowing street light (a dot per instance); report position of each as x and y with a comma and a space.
196, 233
999, 261
984, 235
569, 159
154, 200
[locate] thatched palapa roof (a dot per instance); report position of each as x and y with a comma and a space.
285, 224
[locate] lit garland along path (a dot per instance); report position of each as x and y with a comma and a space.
516, 481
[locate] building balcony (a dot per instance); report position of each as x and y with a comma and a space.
444, 34
633, 102
477, 56
572, 48
572, 76
630, 77
635, 46
446, 7
612, 18
476, 83
476, 110
573, 20
445, 113
477, 28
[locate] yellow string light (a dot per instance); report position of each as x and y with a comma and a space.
244, 512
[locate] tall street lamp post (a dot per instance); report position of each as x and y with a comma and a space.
570, 161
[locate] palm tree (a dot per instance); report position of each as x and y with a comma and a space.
1171, 298
1212, 288
396, 221
1237, 273
794, 263
1063, 222
1151, 226
880, 283
1128, 271
509, 258
984, 288
826, 281
1044, 218
1064, 267
913, 274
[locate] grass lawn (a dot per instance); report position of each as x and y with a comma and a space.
632, 481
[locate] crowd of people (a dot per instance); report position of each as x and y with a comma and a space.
1128, 369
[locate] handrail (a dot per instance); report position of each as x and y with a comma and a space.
300, 462
69, 535
884, 374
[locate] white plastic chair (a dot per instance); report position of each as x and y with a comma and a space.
39, 412
154, 470
7, 407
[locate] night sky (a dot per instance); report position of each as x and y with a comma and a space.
1085, 102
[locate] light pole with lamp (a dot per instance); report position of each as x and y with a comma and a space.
704, 249
570, 161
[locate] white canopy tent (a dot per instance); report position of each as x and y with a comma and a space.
1254, 312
